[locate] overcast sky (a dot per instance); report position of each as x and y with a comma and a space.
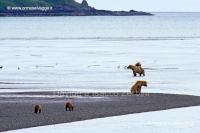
147, 5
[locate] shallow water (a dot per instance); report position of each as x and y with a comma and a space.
90, 53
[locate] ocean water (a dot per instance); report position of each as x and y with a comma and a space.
90, 53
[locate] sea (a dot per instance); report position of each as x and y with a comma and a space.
90, 53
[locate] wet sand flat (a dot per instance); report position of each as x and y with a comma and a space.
16, 110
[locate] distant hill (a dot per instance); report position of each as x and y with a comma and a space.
56, 8
39, 3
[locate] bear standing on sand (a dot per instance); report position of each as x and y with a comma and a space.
136, 88
137, 68
69, 106
37, 109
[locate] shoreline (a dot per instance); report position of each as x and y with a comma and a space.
2, 14
17, 112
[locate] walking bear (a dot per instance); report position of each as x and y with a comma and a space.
37, 109
137, 69
69, 106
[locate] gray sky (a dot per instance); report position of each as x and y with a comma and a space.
147, 5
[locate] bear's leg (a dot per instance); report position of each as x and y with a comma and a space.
134, 73
132, 91
143, 72
40, 110
35, 111
139, 90
67, 108
135, 91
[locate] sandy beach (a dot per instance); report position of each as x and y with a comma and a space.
16, 109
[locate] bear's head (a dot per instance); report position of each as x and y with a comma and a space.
142, 83
129, 67
138, 64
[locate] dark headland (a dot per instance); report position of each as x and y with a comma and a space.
17, 110
57, 8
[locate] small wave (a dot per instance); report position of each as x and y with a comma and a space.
18, 83
105, 38
44, 66
36, 55
94, 66
167, 68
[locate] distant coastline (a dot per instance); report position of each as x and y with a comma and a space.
58, 8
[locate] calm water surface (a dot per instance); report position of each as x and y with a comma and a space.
90, 53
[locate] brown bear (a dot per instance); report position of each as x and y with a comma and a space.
137, 68
69, 106
136, 88
37, 109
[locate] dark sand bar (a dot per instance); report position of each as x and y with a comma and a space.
16, 110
